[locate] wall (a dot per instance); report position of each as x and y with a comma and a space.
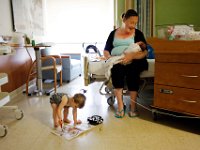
5, 18
17, 65
177, 12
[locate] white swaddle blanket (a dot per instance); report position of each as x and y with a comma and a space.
134, 47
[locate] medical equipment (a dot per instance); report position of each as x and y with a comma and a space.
4, 99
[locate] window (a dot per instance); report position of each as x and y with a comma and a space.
78, 21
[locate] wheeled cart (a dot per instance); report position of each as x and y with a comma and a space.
4, 99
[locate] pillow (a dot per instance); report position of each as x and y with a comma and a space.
150, 52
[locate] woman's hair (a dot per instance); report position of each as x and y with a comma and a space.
122, 15
129, 13
79, 99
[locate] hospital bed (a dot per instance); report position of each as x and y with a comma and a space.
94, 71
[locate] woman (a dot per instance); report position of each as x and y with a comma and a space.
117, 42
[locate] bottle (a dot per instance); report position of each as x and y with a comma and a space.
33, 41
27, 39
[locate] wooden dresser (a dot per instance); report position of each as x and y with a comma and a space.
177, 76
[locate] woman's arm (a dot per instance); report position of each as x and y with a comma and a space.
134, 55
109, 45
139, 55
106, 54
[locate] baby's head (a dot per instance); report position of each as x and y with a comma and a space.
142, 45
79, 99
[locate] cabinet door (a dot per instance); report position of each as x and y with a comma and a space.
178, 74
176, 99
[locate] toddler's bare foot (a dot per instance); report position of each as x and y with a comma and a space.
67, 121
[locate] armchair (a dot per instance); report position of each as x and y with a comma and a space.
71, 68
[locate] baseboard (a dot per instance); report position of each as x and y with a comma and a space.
21, 89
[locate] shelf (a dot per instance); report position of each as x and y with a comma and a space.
4, 98
3, 78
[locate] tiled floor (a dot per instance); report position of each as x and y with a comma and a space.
33, 132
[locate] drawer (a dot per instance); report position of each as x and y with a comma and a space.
178, 74
176, 99
183, 57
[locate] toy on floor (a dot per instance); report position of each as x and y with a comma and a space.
95, 120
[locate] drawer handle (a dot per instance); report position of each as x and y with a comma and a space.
188, 76
166, 91
188, 101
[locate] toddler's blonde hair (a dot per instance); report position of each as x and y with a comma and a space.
79, 99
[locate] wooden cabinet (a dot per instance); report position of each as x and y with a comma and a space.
177, 76
16, 66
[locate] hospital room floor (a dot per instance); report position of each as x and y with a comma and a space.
33, 132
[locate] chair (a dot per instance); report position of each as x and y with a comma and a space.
51, 63
71, 66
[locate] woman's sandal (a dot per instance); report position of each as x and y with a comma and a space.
120, 114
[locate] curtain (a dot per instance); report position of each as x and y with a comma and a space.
145, 12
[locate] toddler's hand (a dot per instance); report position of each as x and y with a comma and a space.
61, 123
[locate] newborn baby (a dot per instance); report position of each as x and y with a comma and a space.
135, 47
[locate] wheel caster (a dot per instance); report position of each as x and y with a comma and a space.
19, 114
111, 100
154, 114
29, 94
3, 130
107, 90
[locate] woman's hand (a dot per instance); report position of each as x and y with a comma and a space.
128, 57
